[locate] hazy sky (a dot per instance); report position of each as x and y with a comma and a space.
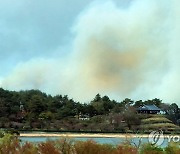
121, 48
35, 28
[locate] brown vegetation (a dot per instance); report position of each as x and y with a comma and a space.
10, 144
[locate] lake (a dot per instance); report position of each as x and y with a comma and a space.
101, 140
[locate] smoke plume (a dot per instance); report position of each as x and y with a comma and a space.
120, 51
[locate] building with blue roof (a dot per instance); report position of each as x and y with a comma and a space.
149, 109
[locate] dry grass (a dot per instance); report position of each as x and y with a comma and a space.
155, 120
11, 145
163, 126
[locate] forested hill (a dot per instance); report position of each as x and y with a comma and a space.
33, 109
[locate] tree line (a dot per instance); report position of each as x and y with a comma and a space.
33, 109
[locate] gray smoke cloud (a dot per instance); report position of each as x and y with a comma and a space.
122, 50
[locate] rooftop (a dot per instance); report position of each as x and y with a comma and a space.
149, 107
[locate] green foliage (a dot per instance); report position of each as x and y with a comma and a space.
33, 109
102, 105
174, 113
9, 144
173, 148
150, 149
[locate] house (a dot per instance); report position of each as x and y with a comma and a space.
81, 116
149, 109
84, 117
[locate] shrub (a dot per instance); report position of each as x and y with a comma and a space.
28, 148
65, 146
150, 149
126, 149
47, 148
91, 147
172, 148
9, 144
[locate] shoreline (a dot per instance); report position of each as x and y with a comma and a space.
72, 135
84, 135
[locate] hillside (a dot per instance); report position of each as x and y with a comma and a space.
35, 110
158, 122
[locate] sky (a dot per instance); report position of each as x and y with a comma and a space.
119, 48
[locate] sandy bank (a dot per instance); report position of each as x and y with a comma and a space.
82, 135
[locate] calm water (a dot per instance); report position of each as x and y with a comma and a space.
114, 141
